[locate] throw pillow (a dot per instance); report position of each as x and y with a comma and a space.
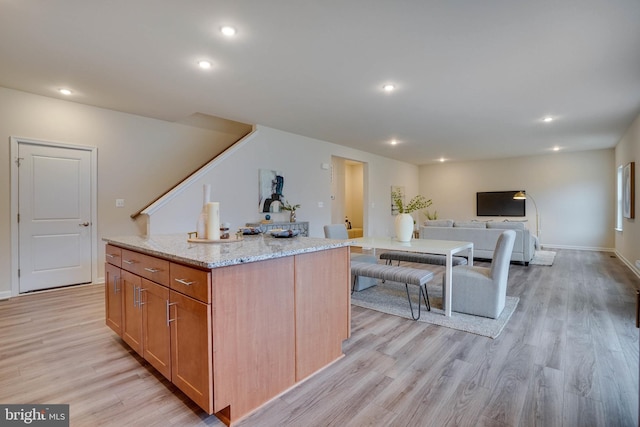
470, 224
508, 225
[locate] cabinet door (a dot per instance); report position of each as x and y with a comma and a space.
131, 312
155, 326
113, 298
191, 350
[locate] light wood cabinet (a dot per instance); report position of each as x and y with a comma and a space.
254, 335
114, 255
131, 311
170, 330
155, 327
231, 338
113, 297
190, 281
322, 312
191, 349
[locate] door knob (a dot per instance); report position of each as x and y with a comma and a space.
84, 224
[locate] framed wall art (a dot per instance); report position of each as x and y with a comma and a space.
628, 191
270, 196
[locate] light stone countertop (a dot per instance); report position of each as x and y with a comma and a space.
175, 247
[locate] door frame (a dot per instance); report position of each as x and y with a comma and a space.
15, 237
365, 191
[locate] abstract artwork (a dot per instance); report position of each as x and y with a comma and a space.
270, 184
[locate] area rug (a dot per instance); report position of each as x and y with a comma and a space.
391, 298
543, 258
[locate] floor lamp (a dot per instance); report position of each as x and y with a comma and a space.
522, 195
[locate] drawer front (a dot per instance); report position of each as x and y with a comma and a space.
191, 282
154, 269
113, 255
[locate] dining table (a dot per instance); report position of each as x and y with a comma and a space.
448, 248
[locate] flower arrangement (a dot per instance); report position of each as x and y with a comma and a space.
292, 209
417, 203
289, 207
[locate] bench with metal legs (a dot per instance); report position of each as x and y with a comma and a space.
406, 275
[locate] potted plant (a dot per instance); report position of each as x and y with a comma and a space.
292, 210
404, 221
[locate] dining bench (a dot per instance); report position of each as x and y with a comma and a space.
406, 275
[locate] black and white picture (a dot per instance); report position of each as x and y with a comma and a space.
271, 184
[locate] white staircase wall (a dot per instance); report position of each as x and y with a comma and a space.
234, 183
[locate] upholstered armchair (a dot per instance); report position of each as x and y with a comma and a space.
339, 231
482, 291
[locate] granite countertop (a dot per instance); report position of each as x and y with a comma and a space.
175, 247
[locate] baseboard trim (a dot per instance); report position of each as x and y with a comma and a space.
629, 264
5, 295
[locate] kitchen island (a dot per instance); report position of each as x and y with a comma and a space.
235, 324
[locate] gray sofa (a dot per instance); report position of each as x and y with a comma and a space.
484, 236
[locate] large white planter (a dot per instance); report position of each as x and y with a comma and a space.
404, 227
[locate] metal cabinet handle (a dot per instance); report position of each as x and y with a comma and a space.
151, 270
126, 261
135, 292
115, 285
110, 256
168, 315
184, 282
84, 224
140, 303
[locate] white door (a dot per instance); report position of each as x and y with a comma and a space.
54, 207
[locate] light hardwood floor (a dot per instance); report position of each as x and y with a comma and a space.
567, 357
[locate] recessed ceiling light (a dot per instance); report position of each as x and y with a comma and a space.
547, 119
64, 91
556, 148
388, 87
394, 142
228, 31
442, 159
205, 65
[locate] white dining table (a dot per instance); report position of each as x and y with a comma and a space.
428, 246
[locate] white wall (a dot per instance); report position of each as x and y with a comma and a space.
138, 158
235, 184
628, 240
574, 192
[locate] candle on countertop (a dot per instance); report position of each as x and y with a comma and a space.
201, 225
213, 221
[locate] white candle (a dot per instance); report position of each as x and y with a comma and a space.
213, 221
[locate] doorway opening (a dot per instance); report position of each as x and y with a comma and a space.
348, 195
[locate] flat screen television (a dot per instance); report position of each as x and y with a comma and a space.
499, 203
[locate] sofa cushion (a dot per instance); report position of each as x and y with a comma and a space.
507, 225
470, 224
439, 223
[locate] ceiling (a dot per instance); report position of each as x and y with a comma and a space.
473, 78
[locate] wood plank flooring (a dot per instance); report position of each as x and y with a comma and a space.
568, 357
